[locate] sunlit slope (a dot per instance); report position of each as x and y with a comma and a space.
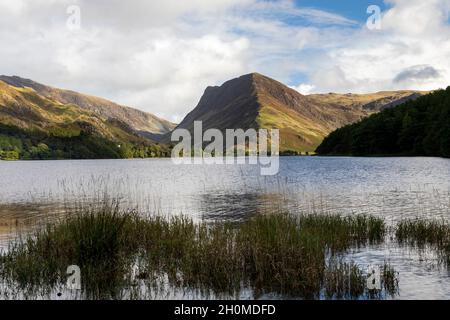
370, 101
257, 101
29, 120
143, 123
302, 122
25, 109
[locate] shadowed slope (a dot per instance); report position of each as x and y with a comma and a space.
256, 101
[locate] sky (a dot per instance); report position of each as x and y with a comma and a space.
159, 56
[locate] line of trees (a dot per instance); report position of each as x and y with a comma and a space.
16, 143
415, 128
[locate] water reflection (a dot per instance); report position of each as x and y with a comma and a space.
24, 218
238, 206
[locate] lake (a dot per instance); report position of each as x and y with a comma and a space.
392, 188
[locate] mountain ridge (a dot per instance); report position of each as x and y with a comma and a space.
143, 123
33, 126
257, 101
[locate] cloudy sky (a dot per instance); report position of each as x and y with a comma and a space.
159, 56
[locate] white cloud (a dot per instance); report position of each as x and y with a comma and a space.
159, 56
304, 88
414, 33
139, 54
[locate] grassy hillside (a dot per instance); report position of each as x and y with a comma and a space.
142, 123
35, 127
417, 128
370, 101
256, 101
297, 132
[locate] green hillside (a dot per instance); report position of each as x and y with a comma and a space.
415, 128
35, 127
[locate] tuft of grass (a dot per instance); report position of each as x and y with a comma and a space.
100, 240
279, 253
421, 232
426, 232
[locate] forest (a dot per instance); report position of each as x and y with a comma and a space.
16, 143
415, 128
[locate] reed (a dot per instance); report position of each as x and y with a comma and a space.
277, 254
420, 233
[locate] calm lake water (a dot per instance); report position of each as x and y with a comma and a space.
392, 188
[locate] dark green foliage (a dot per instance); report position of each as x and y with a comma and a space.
69, 143
64, 145
288, 153
144, 150
10, 147
416, 128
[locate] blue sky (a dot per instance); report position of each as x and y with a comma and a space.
352, 9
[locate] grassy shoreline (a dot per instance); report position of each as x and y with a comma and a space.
293, 256
122, 253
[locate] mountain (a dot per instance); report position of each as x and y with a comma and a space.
143, 123
42, 122
257, 101
48, 123
415, 128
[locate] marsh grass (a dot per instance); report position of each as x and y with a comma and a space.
97, 240
420, 233
298, 256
